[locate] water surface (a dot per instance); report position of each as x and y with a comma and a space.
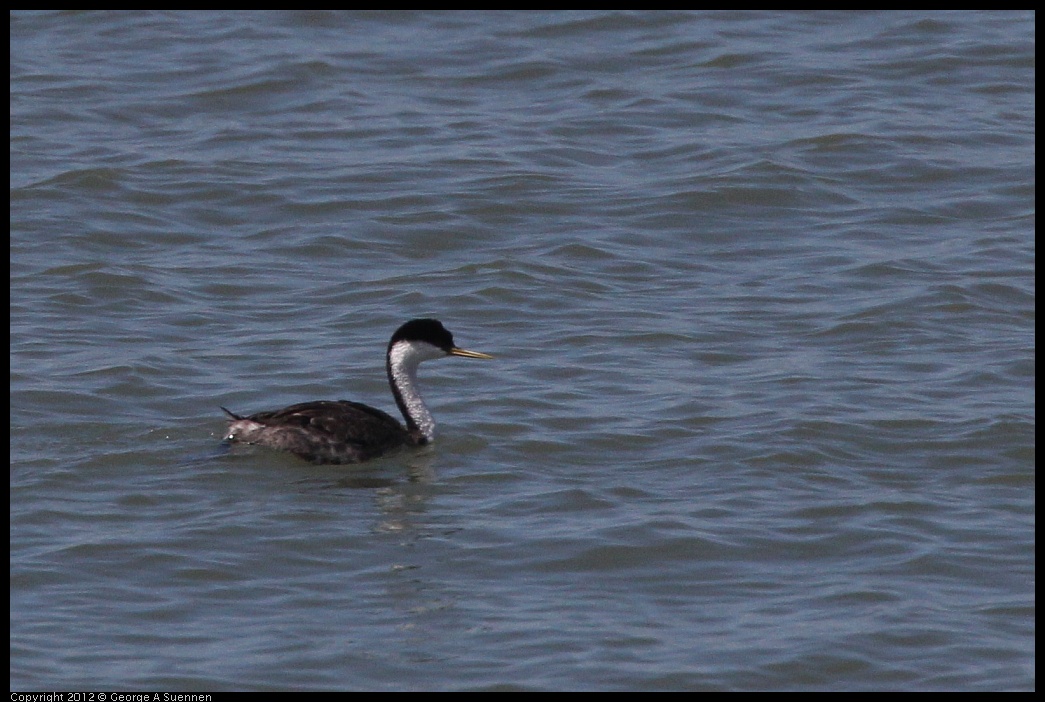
761, 290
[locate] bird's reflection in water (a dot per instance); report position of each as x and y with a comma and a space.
400, 487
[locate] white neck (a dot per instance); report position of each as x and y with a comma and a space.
403, 360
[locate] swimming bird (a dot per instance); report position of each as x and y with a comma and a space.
340, 431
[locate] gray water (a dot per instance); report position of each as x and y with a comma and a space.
760, 286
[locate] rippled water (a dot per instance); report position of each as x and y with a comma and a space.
761, 290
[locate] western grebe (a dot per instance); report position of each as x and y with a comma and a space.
350, 432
